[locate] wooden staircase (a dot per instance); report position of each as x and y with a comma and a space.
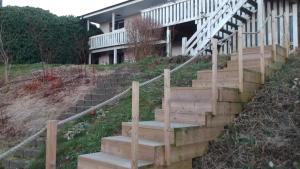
193, 124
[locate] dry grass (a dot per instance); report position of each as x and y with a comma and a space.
267, 133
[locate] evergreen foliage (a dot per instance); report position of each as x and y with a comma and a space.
34, 35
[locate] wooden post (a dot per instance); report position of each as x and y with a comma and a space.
274, 53
286, 33
184, 40
240, 59
214, 75
167, 128
135, 125
51, 144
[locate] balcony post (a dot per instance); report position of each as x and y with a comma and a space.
115, 56
169, 42
184, 41
295, 26
261, 30
113, 22
90, 58
88, 25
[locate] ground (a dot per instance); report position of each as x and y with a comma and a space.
266, 135
35, 95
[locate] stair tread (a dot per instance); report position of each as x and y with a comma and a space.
114, 160
160, 125
144, 142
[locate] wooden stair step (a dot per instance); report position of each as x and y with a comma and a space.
189, 94
248, 63
180, 133
230, 74
121, 146
151, 150
253, 53
108, 161
193, 118
232, 83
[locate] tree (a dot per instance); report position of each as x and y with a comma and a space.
142, 35
5, 59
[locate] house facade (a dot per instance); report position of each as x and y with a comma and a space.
189, 24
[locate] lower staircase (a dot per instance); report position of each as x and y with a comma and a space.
193, 124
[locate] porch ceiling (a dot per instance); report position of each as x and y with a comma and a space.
123, 9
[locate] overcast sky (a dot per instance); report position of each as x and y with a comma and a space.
65, 7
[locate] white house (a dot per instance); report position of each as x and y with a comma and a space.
189, 24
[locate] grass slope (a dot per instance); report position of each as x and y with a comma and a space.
85, 134
267, 133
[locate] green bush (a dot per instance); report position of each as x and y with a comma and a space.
33, 35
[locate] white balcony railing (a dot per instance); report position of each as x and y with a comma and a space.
115, 38
180, 11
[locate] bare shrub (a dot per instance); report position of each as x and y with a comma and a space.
142, 35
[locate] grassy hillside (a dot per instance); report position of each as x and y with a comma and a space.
267, 133
84, 135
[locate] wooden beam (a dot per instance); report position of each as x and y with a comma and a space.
286, 33
240, 59
214, 75
51, 143
167, 128
274, 34
135, 125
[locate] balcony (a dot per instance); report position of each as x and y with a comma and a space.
180, 11
115, 38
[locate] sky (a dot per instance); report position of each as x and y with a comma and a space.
65, 7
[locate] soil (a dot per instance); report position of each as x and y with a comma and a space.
26, 105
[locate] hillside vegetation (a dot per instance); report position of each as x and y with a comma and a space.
32, 35
267, 133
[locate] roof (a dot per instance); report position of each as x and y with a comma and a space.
107, 8
126, 8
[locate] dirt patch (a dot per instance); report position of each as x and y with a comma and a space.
267, 133
27, 105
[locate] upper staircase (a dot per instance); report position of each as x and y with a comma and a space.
220, 24
192, 123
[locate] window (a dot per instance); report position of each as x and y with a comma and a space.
120, 24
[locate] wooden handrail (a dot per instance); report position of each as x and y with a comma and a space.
214, 75
51, 143
167, 127
240, 59
135, 125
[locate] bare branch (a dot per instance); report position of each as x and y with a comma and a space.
142, 34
